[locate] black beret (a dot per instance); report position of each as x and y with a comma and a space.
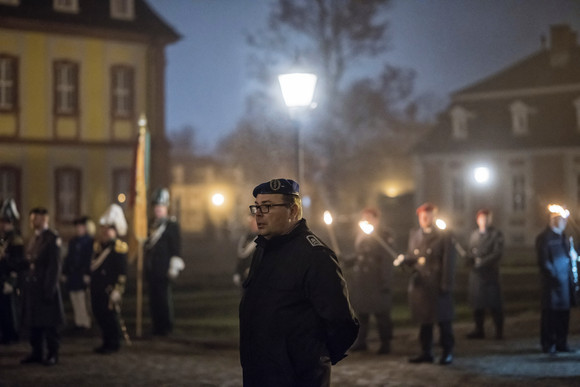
278, 186
39, 211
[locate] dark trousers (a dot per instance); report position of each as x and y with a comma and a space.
40, 335
161, 307
554, 329
446, 338
496, 315
107, 320
384, 326
8, 318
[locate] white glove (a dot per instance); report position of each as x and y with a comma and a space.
115, 296
237, 279
399, 260
176, 265
8, 289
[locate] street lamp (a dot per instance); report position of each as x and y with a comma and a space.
298, 90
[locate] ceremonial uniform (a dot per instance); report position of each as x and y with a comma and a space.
484, 253
370, 288
163, 244
553, 252
42, 301
11, 264
295, 315
108, 273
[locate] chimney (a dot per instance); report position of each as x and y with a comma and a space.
562, 41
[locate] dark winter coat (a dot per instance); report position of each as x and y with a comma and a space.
484, 281
295, 315
78, 262
555, 270
42, 301
160, 248
432, 258
111, 272
371, 278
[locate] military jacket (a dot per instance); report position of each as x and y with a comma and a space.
78, 261
295, 311
109, 267
163, 243
11, 258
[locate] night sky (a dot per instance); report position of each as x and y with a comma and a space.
449, 43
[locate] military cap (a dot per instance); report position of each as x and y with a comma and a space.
278, 186
483, 211
81, 220
160, 196
9, 212
39, 211
114, 217
426, 207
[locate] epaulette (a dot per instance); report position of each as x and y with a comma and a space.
313, 240
121, 247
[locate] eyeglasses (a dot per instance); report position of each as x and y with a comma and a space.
265, 208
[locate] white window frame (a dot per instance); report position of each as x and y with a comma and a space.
520, 113
66, 88
122, 9
69, 6
459, 121
122, 91
68, 193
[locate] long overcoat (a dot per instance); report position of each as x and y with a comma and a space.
295, 314
555, 270
371, 275
484, 280
42, 301
77, 263
432, 259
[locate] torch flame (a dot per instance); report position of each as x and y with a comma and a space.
558, 209
366, 227
440, 223
327, 218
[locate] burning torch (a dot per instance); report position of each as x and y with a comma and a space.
369, 229
333, 242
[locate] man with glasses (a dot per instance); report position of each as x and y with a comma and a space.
295, 316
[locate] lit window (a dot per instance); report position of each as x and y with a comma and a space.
68, 194
8, 82
66, 85
123, 9
520, 117
122, 90
71, 6
459, 118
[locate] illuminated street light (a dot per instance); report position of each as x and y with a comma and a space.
481, 175
327, 218
218, 199
298, 90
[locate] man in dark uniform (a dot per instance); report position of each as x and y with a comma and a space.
77, 270
11, 263
162, 263
553, 250
108, 277
43, 308
484, 253
295, 315
370, 283
431, 256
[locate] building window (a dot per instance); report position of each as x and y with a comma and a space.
518, 192
458, 193
71, 6
121, 186
123, 9
66, 88
577, 107
520, 117
459, 118
8, 83
68, 194
10, 183
123, 91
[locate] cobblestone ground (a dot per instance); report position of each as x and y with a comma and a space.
180, 361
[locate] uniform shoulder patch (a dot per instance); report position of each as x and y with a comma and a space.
314, 241
121, 247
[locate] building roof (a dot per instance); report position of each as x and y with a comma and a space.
548, 82
93, 17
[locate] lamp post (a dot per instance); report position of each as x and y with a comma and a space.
298, 90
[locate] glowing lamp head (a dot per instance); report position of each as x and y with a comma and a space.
218, 199
366, 227
481, 175
440, 223
327, 218
297, 88
558, 210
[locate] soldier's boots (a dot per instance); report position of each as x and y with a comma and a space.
423, 358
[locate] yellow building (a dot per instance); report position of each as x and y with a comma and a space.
75, 75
